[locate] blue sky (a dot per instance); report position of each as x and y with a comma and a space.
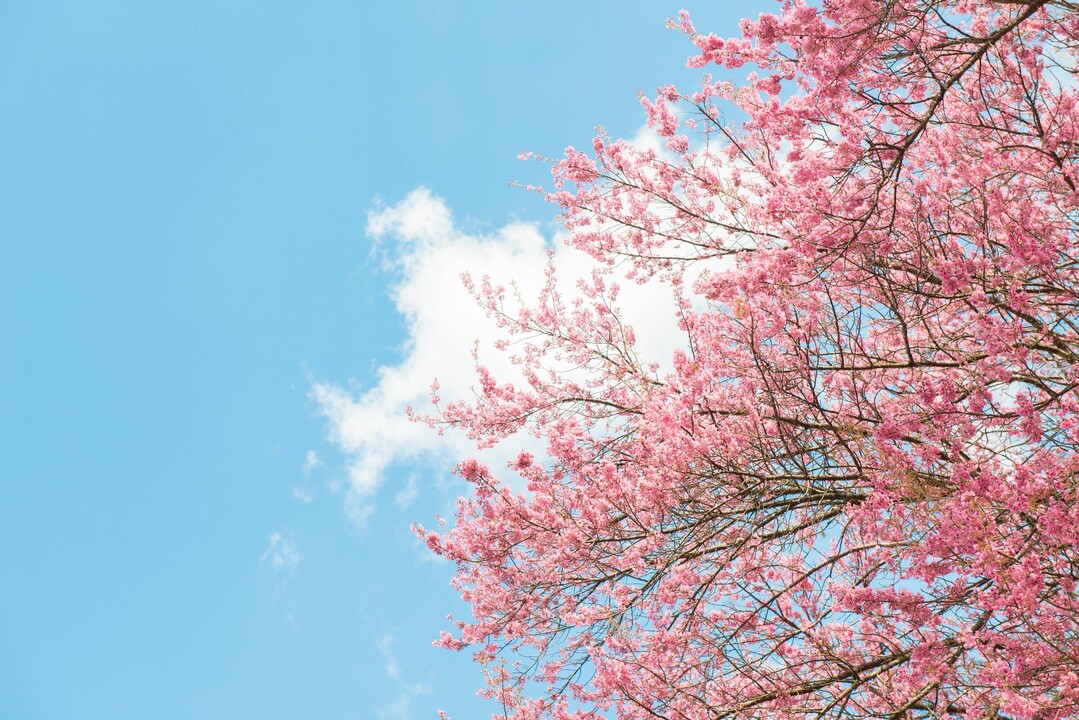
208, 214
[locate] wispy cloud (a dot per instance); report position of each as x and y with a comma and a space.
306, 492
407, 495
280, 560
281, 555
385, 646
303, 494
401, 707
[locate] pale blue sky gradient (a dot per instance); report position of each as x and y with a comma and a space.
183, 191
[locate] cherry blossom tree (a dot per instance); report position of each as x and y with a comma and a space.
854, 492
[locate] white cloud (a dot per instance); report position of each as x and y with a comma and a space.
646, 138
429, 254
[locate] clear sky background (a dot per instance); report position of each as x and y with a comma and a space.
219, 286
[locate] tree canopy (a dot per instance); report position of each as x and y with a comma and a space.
853, 494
